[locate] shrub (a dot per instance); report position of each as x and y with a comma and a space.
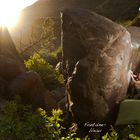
19, 122
112, 135
128, 132
51, 78
52, 57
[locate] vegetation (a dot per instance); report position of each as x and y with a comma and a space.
19, 122
51, 77
41, 38
43, 28
129, 132
52, 57
129, 22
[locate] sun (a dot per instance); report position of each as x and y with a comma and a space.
9, 12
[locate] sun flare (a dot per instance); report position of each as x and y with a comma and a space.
10, 11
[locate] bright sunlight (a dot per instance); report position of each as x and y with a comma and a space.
10, 11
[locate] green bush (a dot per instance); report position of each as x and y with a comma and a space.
19, 122
127, 132
51, 78
52, 57
112, 135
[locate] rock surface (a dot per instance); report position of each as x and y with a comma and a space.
135, 39
30, 87
14, 80
96, 56
7, 47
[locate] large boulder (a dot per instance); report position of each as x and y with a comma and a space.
96, 55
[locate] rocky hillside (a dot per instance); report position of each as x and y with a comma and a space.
116, 10
16, 80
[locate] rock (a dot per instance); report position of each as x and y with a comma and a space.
62, 104
96, 55
30, 87
58, 93
60, 97
50, 102
14, 80
2, 105
129, 113
3, 87
7, 47
9, 68
10, 62
135, 39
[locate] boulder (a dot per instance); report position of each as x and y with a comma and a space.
7, 47
61, 98
14, 80
50, 102
3, 87
9, 68
129, 113
96, 56
58, 93
30, 87
56, 99
10, 62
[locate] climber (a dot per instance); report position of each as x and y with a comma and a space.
134, 88
136, 80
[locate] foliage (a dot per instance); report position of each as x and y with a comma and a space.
129, 22
19, 122
44, 28
133, 137
126, 23
110, 136
52, 57
129, 132
51, 78
42, 36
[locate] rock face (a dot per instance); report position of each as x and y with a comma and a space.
96, 56
30, 87
7, 47
14, 80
